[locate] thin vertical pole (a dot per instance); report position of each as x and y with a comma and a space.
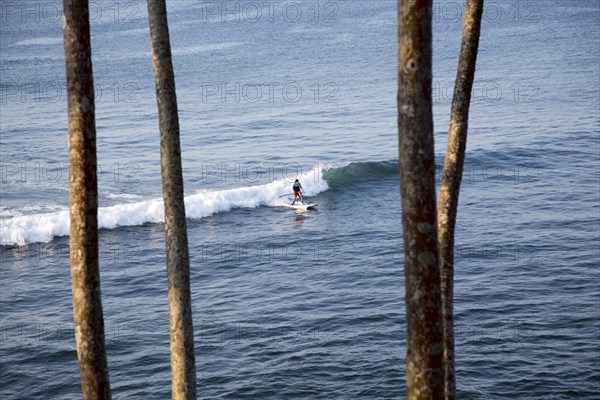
424, 370
452, 178
83, 203
183, 360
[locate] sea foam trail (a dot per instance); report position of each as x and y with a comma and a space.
33, 228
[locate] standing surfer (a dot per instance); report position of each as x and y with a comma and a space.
297, 191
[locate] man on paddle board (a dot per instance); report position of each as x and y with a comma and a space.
297, 191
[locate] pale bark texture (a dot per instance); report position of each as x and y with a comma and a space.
83, 203
451, 180
424, 370
183, 360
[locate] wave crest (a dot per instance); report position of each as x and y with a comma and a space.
31, 228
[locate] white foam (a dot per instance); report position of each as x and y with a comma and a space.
41, 41
137, 31
23, 229
184, 51
124, 196
34, 228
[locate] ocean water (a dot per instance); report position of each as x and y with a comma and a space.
304, 305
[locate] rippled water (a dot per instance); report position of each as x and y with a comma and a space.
305, 305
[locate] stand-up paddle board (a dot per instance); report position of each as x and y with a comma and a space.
301, 206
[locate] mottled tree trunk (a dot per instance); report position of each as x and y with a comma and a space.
83, 203
452, 177
424, 372
183, 360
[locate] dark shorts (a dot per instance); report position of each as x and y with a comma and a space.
297, 191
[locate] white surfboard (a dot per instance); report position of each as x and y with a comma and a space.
300, 206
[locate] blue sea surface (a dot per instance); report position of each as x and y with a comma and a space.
304, 304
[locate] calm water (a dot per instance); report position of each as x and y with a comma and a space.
305, 305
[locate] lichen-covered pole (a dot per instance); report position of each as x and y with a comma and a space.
83, 203
452, 177
183, 360
424, 369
